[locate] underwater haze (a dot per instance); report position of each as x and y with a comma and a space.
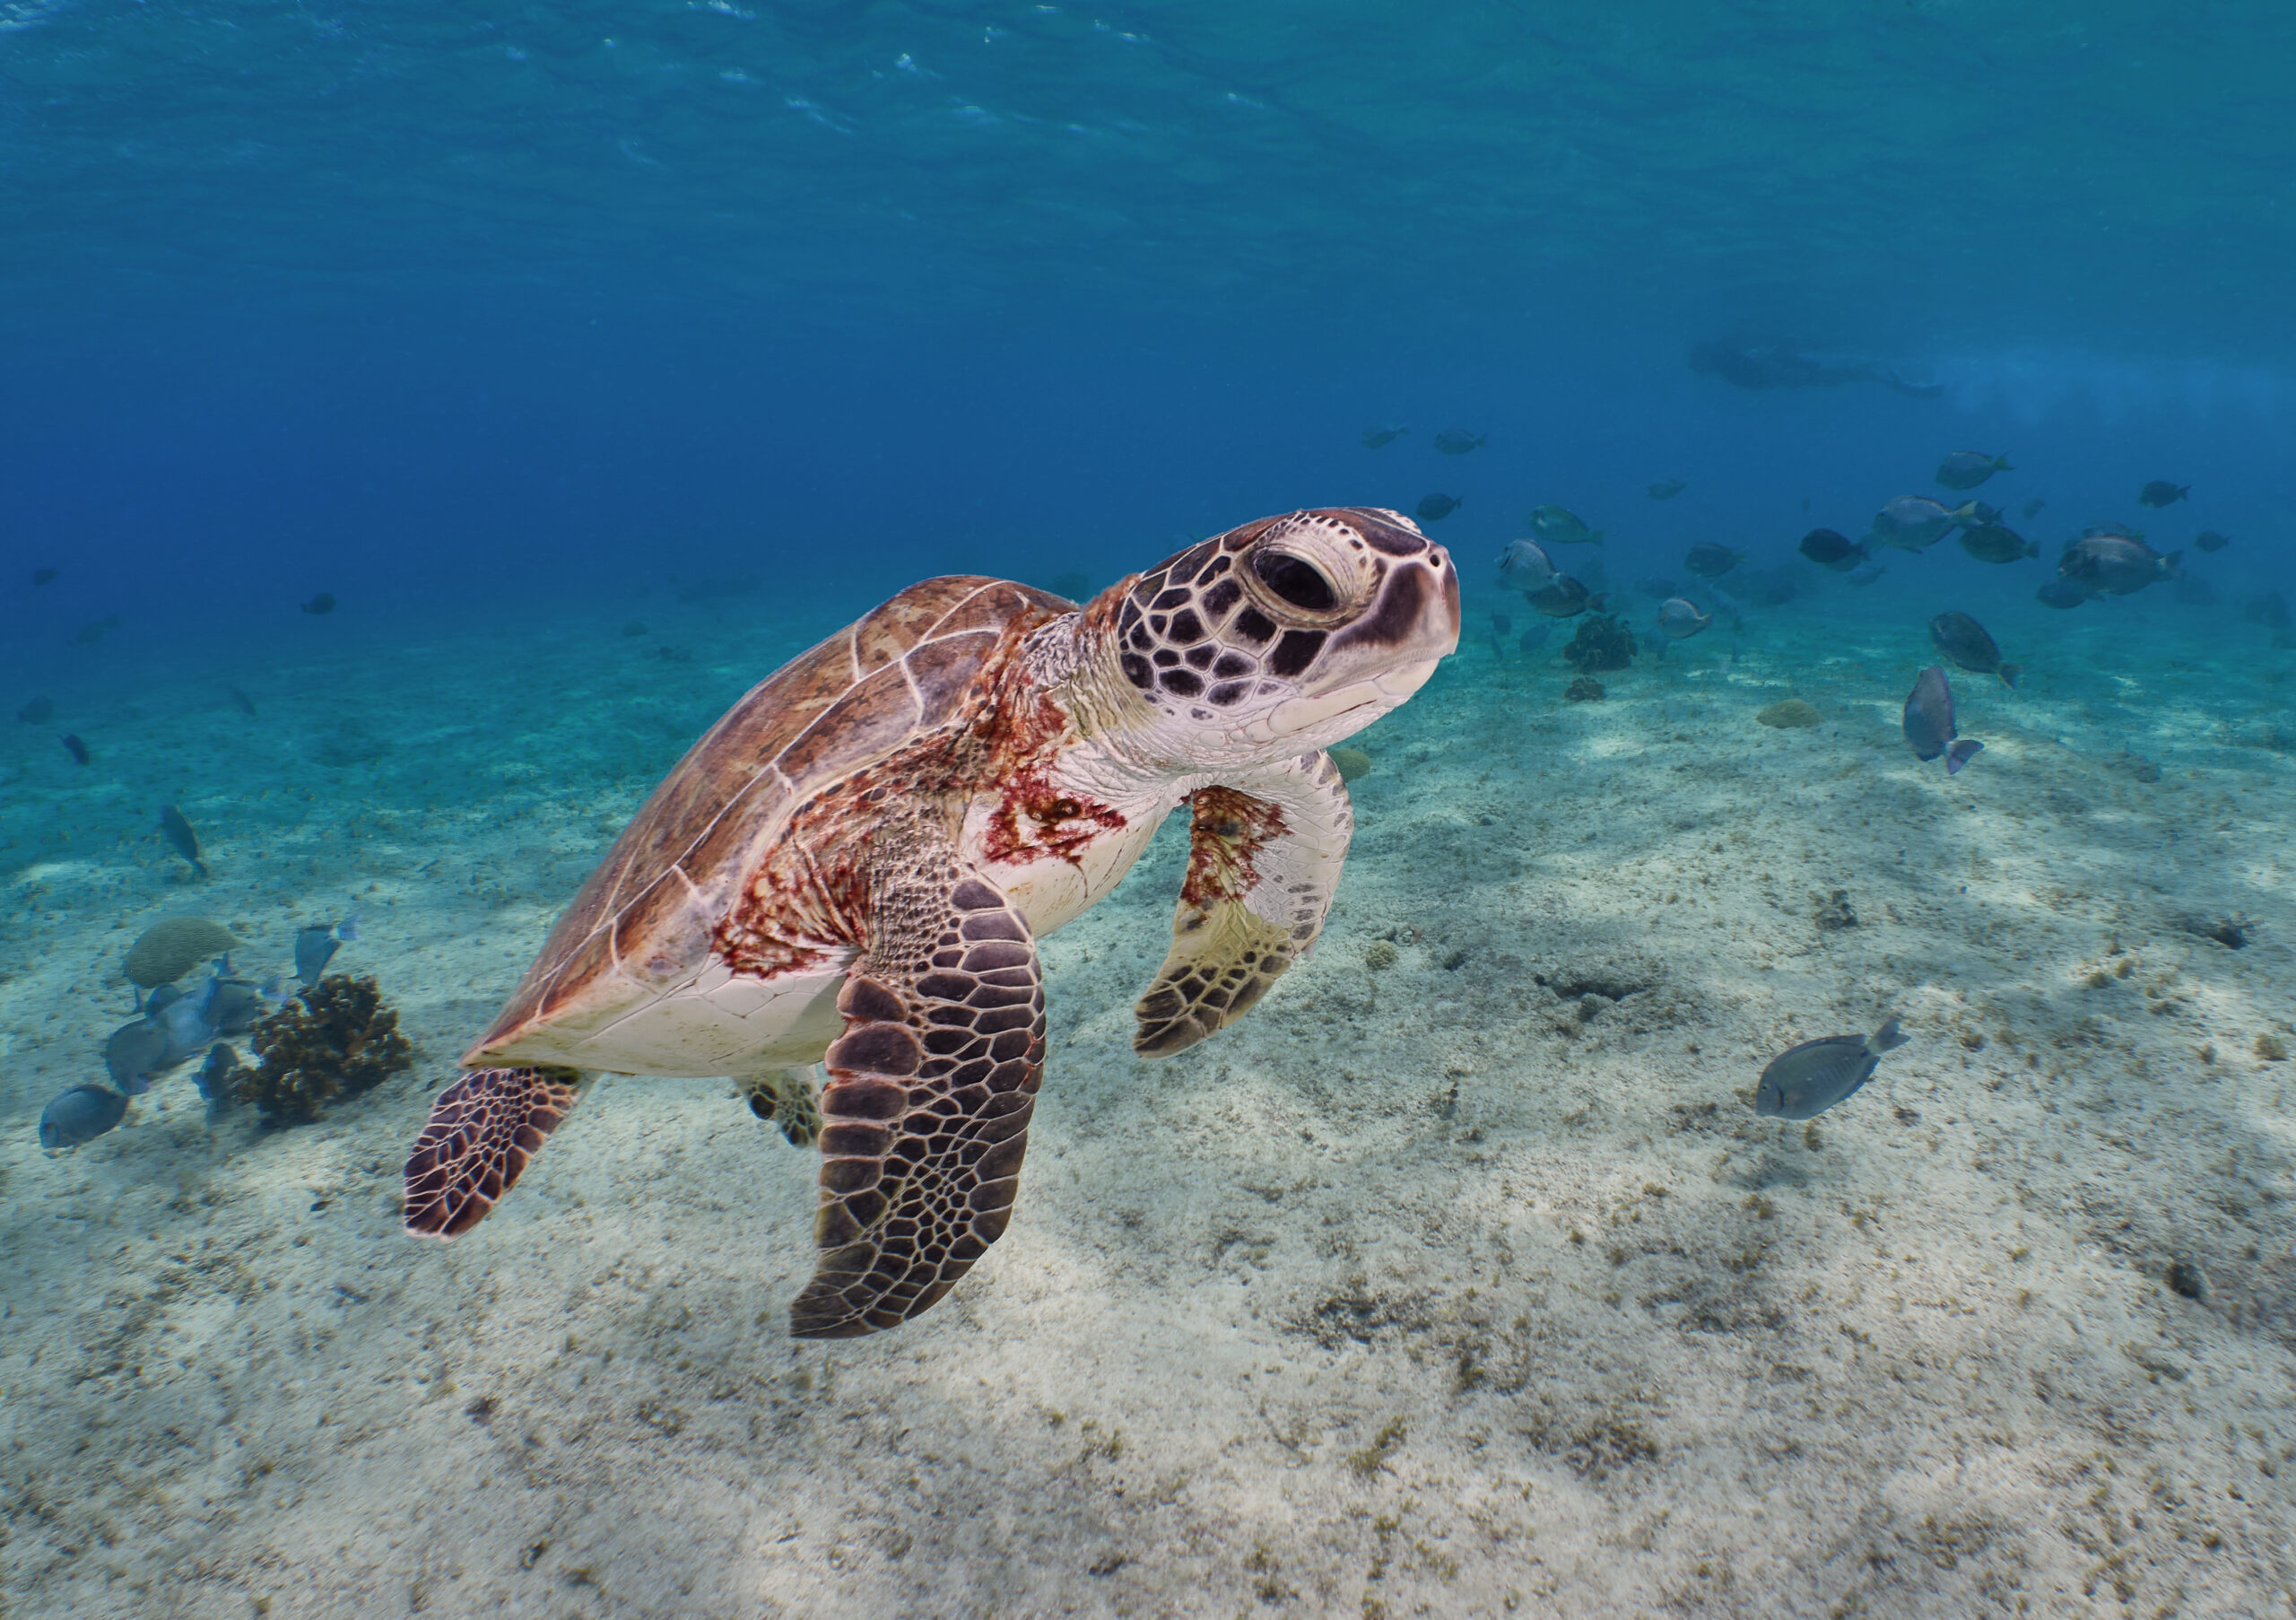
1860, 437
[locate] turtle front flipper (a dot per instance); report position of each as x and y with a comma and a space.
1265, 854
483, 1130
925, 1114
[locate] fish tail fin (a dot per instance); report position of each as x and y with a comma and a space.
2009, 674
1598, 600
1889, 1037
1961, 753
2001, 464
1598, 536
2172, 565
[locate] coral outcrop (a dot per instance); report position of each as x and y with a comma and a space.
338, 1040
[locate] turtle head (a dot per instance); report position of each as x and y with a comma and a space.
1287, 634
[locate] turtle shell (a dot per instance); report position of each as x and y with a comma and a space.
649, 917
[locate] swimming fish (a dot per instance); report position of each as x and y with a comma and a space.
1915, 522
1458, 441
1679, 619
1864, 574
72, 746
2032, 509
38, 712
246, 704
1656, 589
179, 834
1964, 641
2161, 492
80, 1115
316, 946
2121, 529
1966, 469
1500, 626
2115, 564
88, 635
134, 1053
1435, 508
44, 576
1929, 722
1533, 639
1375, 437
323, 603
214, 1076
1997, 543
1555, 526
2209, 540
1524, 566
1710, 561
1803, 1081
1830, 549
2063, 593
1667, 489
1564, 597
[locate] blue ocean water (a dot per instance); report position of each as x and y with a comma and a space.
593, 361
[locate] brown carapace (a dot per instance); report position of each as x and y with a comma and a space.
853, 865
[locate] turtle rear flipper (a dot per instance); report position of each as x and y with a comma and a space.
1262, 866
926, 1115
483, 1130
789, 1100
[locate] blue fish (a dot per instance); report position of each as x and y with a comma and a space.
316, 946
135, 1053
1929, 722
1803, 1081
80, 1115
213, 1078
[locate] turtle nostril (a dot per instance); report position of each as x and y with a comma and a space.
1296, 580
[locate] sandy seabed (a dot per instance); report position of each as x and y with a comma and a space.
1460, 1278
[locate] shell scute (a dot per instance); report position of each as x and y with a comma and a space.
652, 909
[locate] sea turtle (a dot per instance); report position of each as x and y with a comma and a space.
853, 865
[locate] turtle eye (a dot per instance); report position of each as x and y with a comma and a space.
1296, 580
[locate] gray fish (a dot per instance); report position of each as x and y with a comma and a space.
1563, 598
1803, 1081
1667, 489
235, 1005
315, 945
246, 704
2032, 509
1710, 561
2062, 593
38, 712
2161, 493
1435, 508
1679, 619
134, 1053
2116, 565
1966, 469
179, 834
1964, 641
187, 1025
1458, 441
1533, 639
1828, 548
88, 635
2122, 529
323, 603
1555, 526
1377, 437
1864, 573
1929, 722
1997, 543
80, 1115
1915, 522
213, 1078
2209, 540
1658, 590
1525, 566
